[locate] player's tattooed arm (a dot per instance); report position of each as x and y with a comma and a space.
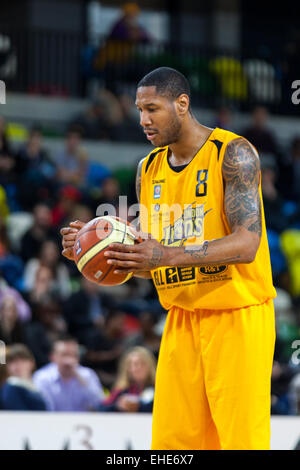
241, 170
242, 205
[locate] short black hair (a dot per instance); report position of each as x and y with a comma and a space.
168, 82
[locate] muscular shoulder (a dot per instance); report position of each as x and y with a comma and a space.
241, 163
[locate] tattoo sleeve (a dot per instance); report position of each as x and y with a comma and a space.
241, 170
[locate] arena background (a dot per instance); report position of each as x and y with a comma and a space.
70, 82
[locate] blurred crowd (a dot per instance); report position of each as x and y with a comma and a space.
73, 346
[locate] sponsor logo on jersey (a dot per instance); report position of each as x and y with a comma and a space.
157, 191
188, 227
208, 270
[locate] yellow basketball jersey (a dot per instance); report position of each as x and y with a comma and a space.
187, 207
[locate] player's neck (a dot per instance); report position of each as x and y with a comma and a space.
192, 138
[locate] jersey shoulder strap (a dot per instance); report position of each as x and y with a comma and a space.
149, 159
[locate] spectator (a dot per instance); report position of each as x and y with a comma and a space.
85, 310
18, 392
259, 135
224, 119
94, 121
134, 387
147, 336
69, 196
129, 129
47, 327
273, 203
105, 347
49, 257
127, 28
22, 307
110, 192
65, 385
11, 328
11, 266
72, 160
40, 231
36, 170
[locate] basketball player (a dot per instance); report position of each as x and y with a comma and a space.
211, 268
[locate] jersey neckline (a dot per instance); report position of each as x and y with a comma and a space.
185, 166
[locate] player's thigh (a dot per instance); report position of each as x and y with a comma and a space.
238, 355
181, 416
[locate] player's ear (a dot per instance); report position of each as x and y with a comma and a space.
182, 104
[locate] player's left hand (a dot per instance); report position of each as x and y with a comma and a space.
144, 256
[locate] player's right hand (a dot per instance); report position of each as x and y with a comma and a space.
69, 235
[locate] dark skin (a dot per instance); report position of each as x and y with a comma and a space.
169, 122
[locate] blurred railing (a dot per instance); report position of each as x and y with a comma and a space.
56, 63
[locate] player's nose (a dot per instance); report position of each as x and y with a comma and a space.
145, 119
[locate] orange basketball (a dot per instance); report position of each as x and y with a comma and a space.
91, 242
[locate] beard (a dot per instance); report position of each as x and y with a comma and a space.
172, 133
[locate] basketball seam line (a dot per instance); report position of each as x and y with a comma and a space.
114, 229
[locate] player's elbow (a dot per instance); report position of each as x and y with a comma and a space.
250, 250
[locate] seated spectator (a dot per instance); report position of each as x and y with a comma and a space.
22, 307
49, 257
40, 231
147, 336
68, 198
105, 347
44, 285
127, 28
260, 135
64, 384
36, 170
85, 310
48, 325
18, 392
94, 121
110, 192
72, 160
134, 388
11, 327
11, 266
129, 129
273, 203
224, 119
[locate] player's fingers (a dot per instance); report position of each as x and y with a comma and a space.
122, 256
123, 271
67, 253
132, 265
70, 237
66, 230
119, 247
77, 224
68, 244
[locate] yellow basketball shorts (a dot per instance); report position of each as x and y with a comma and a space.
213, 381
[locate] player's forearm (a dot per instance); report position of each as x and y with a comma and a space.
143, 274
235, 248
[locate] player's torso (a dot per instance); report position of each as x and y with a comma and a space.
183, 208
